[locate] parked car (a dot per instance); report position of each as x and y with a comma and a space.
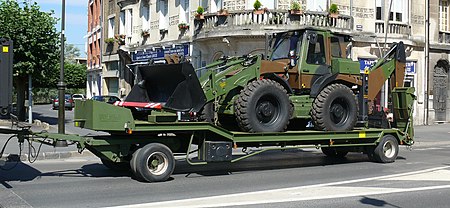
78, 97
106, 98
68, 102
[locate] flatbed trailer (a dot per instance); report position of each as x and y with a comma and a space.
147, 148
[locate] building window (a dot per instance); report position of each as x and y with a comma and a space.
316, 5
145, 14
129, 22
111, 27
379, 11
443, 15
122, 23
399, 11
216, 5
163, 10
184, 11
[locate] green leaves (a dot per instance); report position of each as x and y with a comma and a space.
36, 42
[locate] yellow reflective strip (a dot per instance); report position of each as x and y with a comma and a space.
362, 134
5, 49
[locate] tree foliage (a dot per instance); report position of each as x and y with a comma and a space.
71, 52
36, 43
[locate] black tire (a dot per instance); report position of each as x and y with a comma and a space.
335, 109
133, 163
207, 113
155, 162
263, 106
334, 152
116, 166
387, 150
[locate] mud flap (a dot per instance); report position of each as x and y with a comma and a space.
176, 86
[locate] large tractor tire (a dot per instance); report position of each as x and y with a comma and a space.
335, 109
263, 106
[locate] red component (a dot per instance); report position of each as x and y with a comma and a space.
138, 104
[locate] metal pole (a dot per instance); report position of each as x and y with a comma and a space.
61, 85
30, 100
427, 59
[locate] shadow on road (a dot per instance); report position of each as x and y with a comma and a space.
265, 161
48, 119
268, 161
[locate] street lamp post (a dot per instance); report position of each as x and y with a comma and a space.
61, 85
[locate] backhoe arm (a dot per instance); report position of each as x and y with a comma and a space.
392, 65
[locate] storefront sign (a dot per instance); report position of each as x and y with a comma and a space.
368, 63
158, 53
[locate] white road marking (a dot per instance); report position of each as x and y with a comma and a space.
310, 192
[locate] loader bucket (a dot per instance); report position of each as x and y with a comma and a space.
175, 86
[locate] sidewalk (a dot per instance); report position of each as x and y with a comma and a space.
12, 149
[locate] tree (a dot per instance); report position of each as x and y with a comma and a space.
71, 52
75, 75
36, 43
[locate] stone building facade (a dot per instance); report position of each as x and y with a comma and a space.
149, 29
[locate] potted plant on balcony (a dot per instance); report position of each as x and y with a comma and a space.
199, 14
334, 11
296, 8
145, 33
183, 26
110, 41
258, 8
222, 12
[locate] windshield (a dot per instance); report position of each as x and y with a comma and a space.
284, 43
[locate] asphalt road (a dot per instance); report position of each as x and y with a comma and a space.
419, 178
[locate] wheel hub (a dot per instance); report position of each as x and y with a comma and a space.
266, 109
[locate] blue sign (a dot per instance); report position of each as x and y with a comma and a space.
410, 67
368, 63
159, 53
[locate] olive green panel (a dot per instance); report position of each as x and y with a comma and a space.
224, 76
302, 106
102, 116
344, 66
403, 103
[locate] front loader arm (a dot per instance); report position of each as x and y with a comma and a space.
392, 65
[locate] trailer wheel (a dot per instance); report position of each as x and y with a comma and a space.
133, 163
116, 166
387, 150
334, 152
263, 106
155, 162
335, 109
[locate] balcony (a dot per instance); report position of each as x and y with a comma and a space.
246, 23
444, 37
111, 73
395, 28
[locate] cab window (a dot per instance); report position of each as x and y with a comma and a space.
316, 52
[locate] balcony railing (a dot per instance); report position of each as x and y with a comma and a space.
273, 19
393, 27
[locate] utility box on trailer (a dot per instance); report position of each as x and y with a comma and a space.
6, 65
